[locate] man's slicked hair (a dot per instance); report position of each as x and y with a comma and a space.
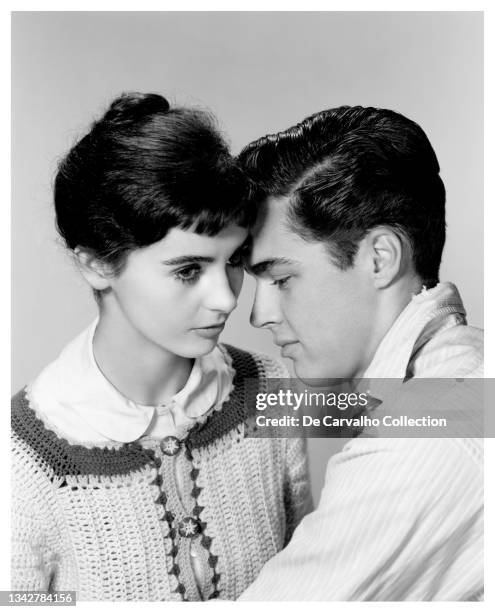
349, 169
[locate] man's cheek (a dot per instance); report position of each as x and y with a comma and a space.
298, 318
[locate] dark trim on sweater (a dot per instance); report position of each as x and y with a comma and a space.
235, 410
74, 459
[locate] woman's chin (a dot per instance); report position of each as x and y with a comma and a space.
199, 348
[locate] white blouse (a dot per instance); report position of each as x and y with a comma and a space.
75, 399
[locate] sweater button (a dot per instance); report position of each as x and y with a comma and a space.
170, 445
189, 527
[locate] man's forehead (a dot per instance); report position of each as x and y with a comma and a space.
275, 243
271, 230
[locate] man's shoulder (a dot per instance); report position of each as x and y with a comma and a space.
387, 459
454, 352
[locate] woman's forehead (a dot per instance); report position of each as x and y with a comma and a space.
179, 242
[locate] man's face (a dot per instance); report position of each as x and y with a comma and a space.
322, 317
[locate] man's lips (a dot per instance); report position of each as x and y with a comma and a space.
288, 349
285, 346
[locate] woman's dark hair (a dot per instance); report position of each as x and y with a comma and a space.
349, 169
142, 169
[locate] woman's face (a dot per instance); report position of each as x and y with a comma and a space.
178, 292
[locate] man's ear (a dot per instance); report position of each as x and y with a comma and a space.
389, 253
94, 271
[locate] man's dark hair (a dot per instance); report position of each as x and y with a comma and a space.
142, 169
349, 169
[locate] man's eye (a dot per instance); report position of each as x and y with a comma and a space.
189, 274
240, 257
236, 260
281, 283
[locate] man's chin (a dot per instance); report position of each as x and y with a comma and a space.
304, 372
313, 375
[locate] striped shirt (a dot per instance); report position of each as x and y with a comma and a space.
399, 519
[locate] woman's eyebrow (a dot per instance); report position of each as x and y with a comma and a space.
187, 259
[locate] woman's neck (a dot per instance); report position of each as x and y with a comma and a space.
141, 370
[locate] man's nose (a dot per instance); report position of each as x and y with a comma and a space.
265, 310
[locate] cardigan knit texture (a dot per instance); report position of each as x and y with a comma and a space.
111, 523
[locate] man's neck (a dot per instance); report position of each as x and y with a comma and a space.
391, 303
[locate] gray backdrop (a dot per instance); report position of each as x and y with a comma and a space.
259, 73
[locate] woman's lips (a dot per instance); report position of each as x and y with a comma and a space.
209, 332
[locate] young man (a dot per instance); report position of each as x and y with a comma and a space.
346, 252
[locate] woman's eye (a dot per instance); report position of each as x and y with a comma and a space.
189, 274
281, 283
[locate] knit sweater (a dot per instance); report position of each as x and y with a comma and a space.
111, 524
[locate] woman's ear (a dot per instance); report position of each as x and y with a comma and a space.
97, 273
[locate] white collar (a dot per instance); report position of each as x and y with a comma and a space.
426, 313
74, 396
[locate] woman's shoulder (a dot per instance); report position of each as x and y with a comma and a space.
251, 372
251, 364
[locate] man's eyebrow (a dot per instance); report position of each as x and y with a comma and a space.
187, 259
262, 267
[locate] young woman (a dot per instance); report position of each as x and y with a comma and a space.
132, 475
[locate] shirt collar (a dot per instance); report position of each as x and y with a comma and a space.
74, 382
422, 318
